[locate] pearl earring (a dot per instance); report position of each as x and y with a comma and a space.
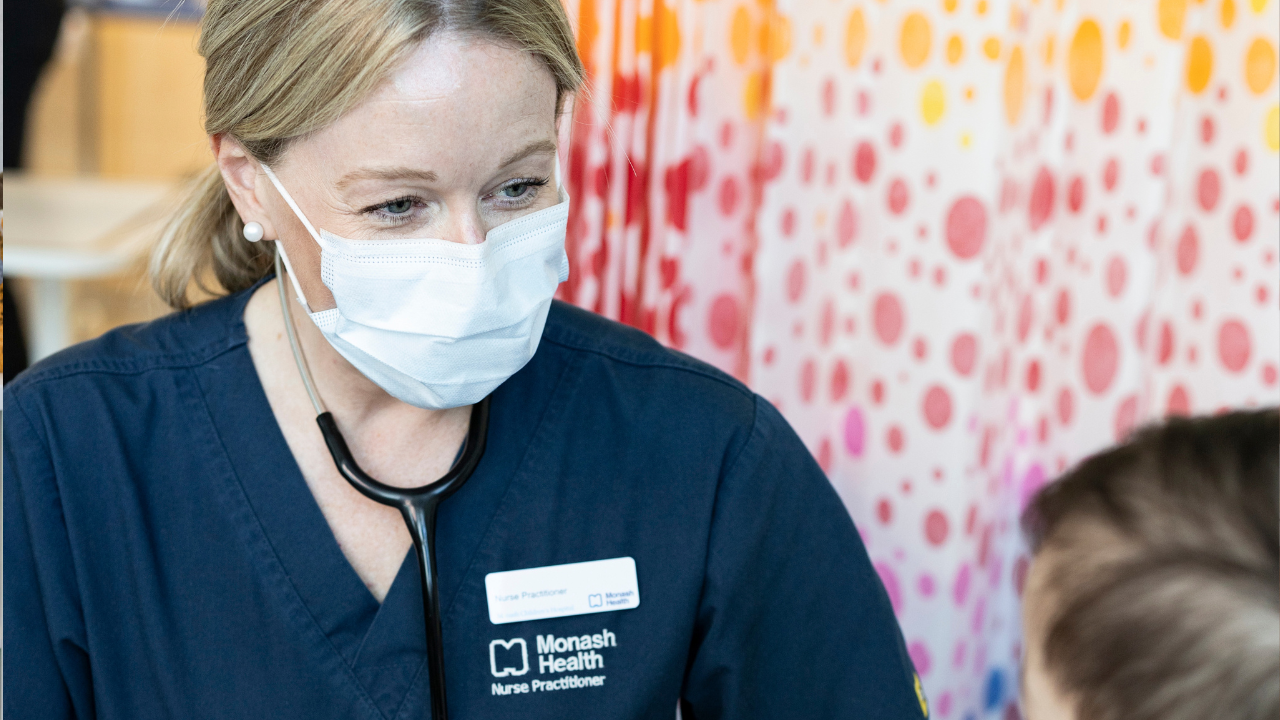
252, 231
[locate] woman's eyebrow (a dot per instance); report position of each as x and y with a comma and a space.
538, 147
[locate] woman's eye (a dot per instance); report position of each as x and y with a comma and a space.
515, 191
398, 207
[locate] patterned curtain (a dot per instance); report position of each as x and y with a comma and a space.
960, 244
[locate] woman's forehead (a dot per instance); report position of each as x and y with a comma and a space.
455, 99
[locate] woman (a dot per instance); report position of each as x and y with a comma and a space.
179, 543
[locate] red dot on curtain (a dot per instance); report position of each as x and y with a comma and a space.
1041, 198
1269, 374
1101, 358
1075, 194
1110, 113
1164, 350
795, 280
966, 227
1066, 406
884, 510
936, 527
1117, 274
895, 439
864, 162
1188, 250
846, 224
1033, 376
1026, 314
1234, 345
788, 222
1062, 306
723, 323
1206, 129
1242, 161
1208, 189
827, 322
808, 379
806, 166
895, 135
1242, 223
1126, 416
824, 455
829, 97
964, 353
839, 381
888, 318
877, 392
937, 407
1111, 174
898, 196
771, 162
919, 348
728, 195
1178, 403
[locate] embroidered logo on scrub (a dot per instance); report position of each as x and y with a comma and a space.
556, 655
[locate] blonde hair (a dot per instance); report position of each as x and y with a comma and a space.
276, 70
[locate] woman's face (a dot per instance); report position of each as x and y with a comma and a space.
461, 139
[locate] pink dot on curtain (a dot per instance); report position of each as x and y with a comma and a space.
937, 407
966, 227
888, 318
1234, 345
1041, 198
1101, 358
854, 432
964, 353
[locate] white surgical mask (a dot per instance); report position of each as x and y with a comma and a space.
440, 324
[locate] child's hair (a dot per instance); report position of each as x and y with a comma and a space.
1164, 574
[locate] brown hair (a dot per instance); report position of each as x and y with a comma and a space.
1165, 575
276, 70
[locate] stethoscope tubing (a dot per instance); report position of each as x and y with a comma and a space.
418, 506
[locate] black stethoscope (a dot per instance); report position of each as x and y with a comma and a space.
417, 506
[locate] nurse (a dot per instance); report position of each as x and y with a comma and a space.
641, 533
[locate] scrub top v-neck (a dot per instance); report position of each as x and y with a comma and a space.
164, 557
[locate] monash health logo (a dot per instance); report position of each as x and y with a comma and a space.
502, 657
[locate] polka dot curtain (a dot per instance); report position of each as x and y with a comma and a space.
961, 245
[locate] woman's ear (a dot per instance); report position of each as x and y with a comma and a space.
244, 181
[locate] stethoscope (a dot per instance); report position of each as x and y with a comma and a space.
417, 505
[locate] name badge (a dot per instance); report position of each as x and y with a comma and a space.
562, 590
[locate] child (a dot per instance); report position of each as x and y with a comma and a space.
1155, 587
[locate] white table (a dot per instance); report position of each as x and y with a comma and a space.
61, 229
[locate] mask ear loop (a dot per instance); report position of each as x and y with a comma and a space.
293, 278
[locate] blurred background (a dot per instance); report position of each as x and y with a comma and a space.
961, 244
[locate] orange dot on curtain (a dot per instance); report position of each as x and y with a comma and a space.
1014, 86
1199, 64
755, 95
666, 26
1227, 13
949, 5
1123, 36
991, 47
1171, 14
855, 37
740, 34
915, 39
776, 37
1084, 60
1260, 65
955, 49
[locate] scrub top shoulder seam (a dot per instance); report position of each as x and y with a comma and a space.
656, 361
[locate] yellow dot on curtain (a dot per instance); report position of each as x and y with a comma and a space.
855, 37
991, 48
1014, 86
1260, 65
740, 34
1257, 5
1228, 13
1171, 14
667, 26
1123, 37
1199, 64
955, 49
949, 5
1271, 128
755, 95
933, 102
914, 40
982, 7
1084, 60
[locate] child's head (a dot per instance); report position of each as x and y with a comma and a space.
1155, 587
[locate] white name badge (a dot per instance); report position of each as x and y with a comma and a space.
562, 590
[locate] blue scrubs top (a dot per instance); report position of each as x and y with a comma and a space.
164, 558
